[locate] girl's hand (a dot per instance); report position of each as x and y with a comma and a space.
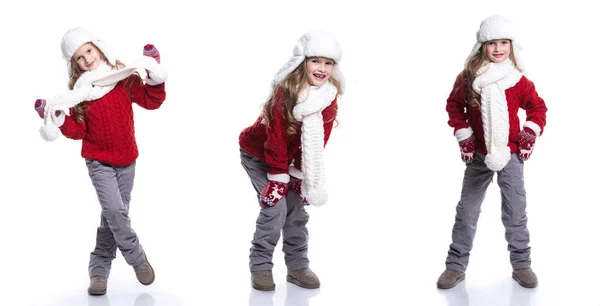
526, 143
151, 51
272, 192
295, 185
467, 149
40, 107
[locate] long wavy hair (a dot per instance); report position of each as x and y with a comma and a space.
471, 68
291, 85
76, 72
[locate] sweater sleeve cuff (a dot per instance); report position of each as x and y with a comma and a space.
295, 172
533, 126
153, 83
463, 133
280, 177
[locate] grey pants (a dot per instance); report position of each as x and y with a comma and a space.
113, 186
512, 188
287, 216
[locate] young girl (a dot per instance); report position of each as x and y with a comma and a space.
100, 100
283, 151
482, 109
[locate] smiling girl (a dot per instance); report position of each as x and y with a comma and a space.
99, 103
283, 151
482, 109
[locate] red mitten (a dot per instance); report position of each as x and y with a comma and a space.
40, 105
151, 51
272, 192
40, 108
467, 149
526, 143
295, 185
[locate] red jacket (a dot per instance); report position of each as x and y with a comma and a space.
108, 130
522, 95
273, 145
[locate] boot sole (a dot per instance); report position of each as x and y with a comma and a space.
103, 292
458, 280
522, 283
263, 288
294, 281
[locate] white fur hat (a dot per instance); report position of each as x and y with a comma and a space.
77, 37
314, 43
497, 27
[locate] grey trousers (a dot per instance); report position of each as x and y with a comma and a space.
476, 180
113, 186
287, 216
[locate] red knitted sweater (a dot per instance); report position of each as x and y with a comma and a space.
522, 95
273, 145
108, 130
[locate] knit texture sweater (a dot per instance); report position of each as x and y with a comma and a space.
273, 145
522, 95
107, 132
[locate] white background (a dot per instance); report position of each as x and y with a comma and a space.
393, 167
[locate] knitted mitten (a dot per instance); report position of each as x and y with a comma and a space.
272, 192
40, 105
151, 51
467, 149
40, 108
295, 184
526, 143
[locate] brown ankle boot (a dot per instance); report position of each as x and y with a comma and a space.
263, 280
144, 272
97, 285
525, 277
304, 278
450, 278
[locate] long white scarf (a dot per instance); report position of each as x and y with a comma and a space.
311, 102
93, 85
490, 82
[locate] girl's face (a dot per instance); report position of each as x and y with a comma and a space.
318, 70
87, 57
497, 50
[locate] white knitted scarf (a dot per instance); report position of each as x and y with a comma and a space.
93, 85
311, 102
490, 82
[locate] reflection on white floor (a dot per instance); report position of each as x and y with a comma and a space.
506, 293
117, 295
294, 296
144, 299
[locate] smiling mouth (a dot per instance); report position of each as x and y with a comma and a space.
319, 76
90, 64
498, 55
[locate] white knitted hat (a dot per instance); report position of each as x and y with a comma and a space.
314, 43
77, 37
497, 27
